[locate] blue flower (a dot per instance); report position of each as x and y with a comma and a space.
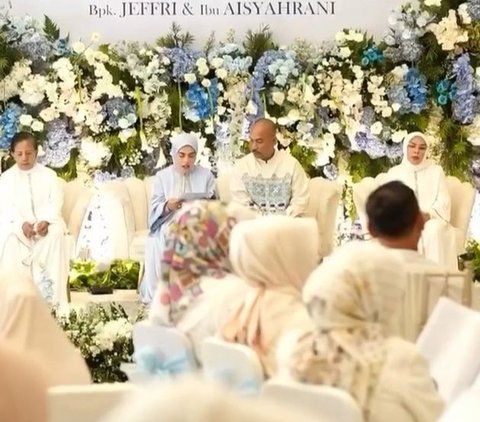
200, 100
183, 61
120, 113
58, 144
442, 99
464, 98
442, 86
9, 124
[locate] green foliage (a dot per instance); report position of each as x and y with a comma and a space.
50, 28
360, 165
8, 56
176, 38
432, 63
122, 274
472, 255
306, 157
256, 43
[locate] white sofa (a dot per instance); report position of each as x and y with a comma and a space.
127, 203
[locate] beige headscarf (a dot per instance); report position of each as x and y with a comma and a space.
23, 387
274, 255
26, 322
354, 298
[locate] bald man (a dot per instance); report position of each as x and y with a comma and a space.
268, 180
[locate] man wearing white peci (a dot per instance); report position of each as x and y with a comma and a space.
268, 180
32, 231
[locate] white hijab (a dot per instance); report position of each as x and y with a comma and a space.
182, 180
426, 179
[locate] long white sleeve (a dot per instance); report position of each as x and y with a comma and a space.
238, 191
51, 210
300, 192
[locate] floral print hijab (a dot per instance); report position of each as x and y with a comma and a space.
197, 245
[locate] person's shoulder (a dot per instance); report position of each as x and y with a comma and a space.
402, 354
45, 170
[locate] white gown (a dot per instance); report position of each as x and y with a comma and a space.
34, 196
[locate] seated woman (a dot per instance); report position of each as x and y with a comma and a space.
198, 289
274, 255
171, 186
27, 324
427, 180
354, 299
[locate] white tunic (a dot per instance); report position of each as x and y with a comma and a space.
276, 186
34, 196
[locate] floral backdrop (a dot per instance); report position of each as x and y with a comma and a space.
342, 108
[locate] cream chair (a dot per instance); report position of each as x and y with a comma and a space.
127, 202
324, 402
462, 195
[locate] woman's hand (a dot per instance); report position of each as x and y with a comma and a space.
174, 204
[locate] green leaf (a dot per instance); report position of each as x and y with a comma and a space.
256, 43
51, 29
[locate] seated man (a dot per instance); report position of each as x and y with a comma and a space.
32, 231
268, 180
395, 220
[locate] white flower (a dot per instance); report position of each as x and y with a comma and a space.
448, 33
376, 128
463, 13
334, 128
399, 136
251, 108
340, 36
48, 114
94, 153
387, 112
95, 37
78, 47
278, 97
217, 62
433, 3
396, 106
25, 120
345, 52
190, 78
206, 83
37, 126
221, 73
202, 66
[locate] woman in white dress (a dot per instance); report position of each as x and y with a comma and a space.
428, 181
354, 299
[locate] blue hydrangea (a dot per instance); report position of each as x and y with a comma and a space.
373, 146
330, 171
411, 93
464, 99
199, 101
9, 124
394, 152
120, 113
371, 55
183, 61
473, 9
58, 144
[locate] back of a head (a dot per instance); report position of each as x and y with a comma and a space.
392, 210
274, 251
189, 400
359, 282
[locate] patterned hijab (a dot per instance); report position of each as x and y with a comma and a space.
353, 298
197, 245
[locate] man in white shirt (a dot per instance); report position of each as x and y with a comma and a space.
268, 180
395, 220
32, 231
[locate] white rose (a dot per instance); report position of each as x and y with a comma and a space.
396, 106
221, 73
278, 97
399, 136
376, 128
217, 62
78, 47
340, 36
201, 62
190, 78
345, 52
26, 119
387, 112
334, 128
203, 70
48, 114
37, 126
206, 83
435, 3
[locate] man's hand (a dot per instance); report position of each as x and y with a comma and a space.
42, 228
174, 204
28, 230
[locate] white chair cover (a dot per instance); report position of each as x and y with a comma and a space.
465, 408
450, 342
235, 365
325, 402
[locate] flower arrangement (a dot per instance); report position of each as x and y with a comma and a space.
472, 255
342, 108
103, 336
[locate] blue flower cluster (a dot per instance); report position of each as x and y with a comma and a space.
330, 171
183, 61
275, 66
464, 102
473, 9
411, 93
371, 55
234, 60
9, 124
199, 100
58, 144
116, 109
373, 146
394, 151
102, 176
445, 91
